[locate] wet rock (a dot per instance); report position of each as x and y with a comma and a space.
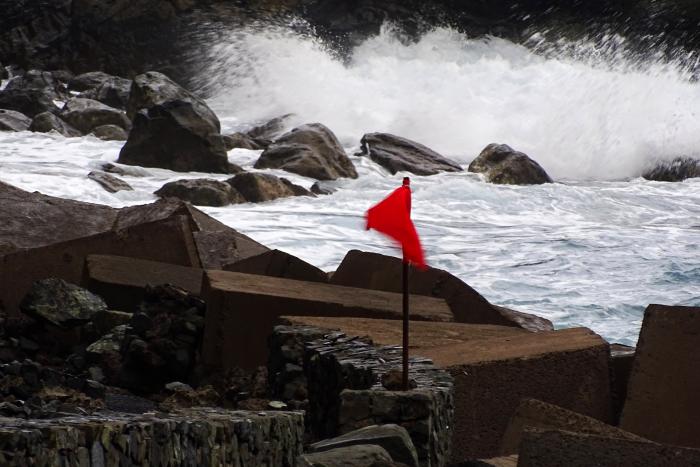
676, 170
37, 80
257, 187
310, 150
13, 121
88, 80
201, 192
109, 182
318, 189
177, 386
153, 88
61, 303
241, 141
176, 135
397, 154
30, 102
113, 92
393, 438
185, 398
110, 133
47, 122
503, 165
88, 114
361, 455
271, 129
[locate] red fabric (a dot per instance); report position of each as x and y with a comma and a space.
392, 217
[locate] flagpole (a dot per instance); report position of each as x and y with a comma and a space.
405, 325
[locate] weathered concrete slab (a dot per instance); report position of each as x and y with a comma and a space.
121, 281
621, 361
532, 413
380, 272
242, 309
276, 263
548, 448
662, 395
423, 334
168, 241
568, 368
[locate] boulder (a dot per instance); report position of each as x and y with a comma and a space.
175, 135
676, 170
271, 129
310, 150
153, 88
393, 438
47, 122
109, 182
532, 413
110, 133
381, 272
37, 80
90, 80
503, 165
201, 192
30, 102
14, 121
397, 154
549, 448
60, 303
231, 297
240, 141
257, 187
122, 281
661, 402
360, 455
319, 189
113, 92
87, 114
276, 263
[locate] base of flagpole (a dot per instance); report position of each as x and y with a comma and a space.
405, 326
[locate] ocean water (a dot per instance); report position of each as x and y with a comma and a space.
593, 249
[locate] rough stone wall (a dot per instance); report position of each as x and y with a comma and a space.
197, 437
344, 391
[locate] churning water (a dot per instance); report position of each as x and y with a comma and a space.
593, 249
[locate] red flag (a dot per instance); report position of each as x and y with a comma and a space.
392, 217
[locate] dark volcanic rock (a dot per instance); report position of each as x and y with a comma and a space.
87, 114
240, 140
46, 122
310, 150
61, 303
113, 92
30, 102
110, 133
676, 170
109, 182
201, 192
256, 187
37, 80
13, 121
176, 136
397, 154
155, 88
503, 165
89, 80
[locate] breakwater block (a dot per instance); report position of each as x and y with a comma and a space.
550, 448
379, 272
168, 240
242, 310
494, 368
532, 413
276, 263
188, 437
664, 385
121, 281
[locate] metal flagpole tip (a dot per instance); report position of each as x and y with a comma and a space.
406, 181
